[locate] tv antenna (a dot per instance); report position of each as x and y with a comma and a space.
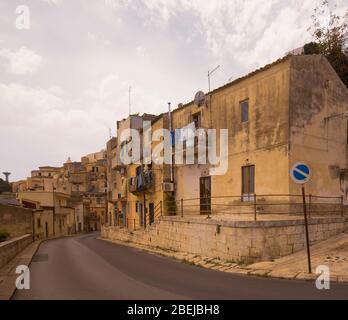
209, 75
199, 98
129, 100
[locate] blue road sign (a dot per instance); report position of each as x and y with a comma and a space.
300, 173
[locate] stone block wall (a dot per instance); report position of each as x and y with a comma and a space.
9, 249
15, 220
238, 241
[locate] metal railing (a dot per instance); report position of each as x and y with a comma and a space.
256, 205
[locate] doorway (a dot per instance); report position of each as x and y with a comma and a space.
152, 212
205, 195
248, 183
46, 229
124, 213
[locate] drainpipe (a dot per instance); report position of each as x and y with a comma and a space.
33, 223
54, 213
170, 130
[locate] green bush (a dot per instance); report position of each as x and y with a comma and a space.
4, 235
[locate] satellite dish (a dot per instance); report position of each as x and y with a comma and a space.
199, 98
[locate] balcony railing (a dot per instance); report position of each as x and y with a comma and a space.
143, 182
64, 211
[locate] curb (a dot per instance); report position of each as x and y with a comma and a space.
9, 281
223, 267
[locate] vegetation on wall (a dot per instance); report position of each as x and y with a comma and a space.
4, 235
330, 33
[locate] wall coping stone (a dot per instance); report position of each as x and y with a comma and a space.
5, 243
256, 224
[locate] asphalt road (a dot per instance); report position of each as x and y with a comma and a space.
84, 267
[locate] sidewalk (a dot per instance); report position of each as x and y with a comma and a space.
332, 253
8, 274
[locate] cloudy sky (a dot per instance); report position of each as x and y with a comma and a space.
64, 82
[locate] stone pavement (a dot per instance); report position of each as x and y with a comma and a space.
8, 274
332, 253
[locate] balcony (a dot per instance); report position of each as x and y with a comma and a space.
114, 195
116, 163
143, 182
92, 176
77, 179
63, 211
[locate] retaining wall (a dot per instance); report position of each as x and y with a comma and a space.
9, 249
240, 241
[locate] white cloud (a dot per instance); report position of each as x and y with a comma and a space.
23, 61
97, 38
54, 2
141, 52
251, 32
97, 53
91, 36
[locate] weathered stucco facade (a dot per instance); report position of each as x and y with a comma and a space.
292, 108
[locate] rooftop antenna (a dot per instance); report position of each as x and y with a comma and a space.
110, 133
210, 73
130, 101
6, 174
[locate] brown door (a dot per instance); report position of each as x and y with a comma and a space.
46, 228
248, 183
205, 195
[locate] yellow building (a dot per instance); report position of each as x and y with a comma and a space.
291, 110
53, 215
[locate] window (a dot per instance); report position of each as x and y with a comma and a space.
39, 223
244, 107
196, 118
248, 183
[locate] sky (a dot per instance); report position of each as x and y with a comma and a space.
64, 82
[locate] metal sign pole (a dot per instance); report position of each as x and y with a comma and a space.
306, 228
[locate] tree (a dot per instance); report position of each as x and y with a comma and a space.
4, 186
330, 33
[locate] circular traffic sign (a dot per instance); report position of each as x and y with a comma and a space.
300, 173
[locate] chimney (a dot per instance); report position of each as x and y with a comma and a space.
6, 174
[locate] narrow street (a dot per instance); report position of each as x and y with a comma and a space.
84, 267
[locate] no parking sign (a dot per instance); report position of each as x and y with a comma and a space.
301, 173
